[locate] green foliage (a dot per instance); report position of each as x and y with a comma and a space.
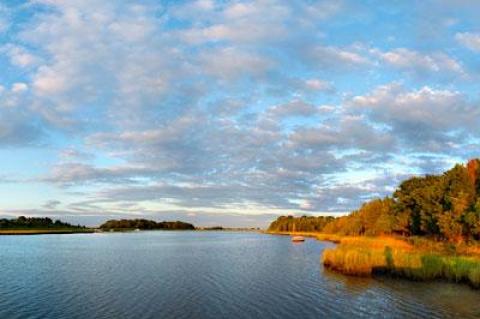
144, 224
23, 222
373, 218
299, 224
443, 206
474, 276
420, 198
440, 206
432, 267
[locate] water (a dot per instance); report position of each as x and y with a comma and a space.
202, 275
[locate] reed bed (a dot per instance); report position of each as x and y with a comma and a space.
363, 256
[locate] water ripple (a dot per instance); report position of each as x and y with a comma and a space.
202, 275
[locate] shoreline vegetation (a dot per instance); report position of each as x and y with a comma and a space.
414, 258
42, 226
143, 224
45, 231
38, 226
429, 229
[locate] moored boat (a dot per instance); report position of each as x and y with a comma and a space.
298, 238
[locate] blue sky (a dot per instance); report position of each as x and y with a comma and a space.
229, 112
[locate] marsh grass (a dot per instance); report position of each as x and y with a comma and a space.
413, 258
363, 256
329, 237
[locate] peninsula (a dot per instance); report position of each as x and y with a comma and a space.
39, 225
428, 229
144, 224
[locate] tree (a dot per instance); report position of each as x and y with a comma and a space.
422, 198
473, 168
449, 226
471, 222
442, 206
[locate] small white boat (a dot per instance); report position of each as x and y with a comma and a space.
298, 238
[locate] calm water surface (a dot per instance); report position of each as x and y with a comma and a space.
202, 275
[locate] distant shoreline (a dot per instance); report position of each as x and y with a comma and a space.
43, 226
22, 232
13, 232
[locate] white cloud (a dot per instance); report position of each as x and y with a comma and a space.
319, 85
320, 10
426, 118
71, 154
222, 104
20, 56
348, 132
469, 40
407, 59
19, 87
242, 23
205, 4
293, 108
75, 173
231, 63
440, 108
336, 57
306, 205
49, 82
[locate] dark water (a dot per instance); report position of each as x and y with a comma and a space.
202, 275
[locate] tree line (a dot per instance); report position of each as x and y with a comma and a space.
23, 222
445, 206
300, 224
145, 224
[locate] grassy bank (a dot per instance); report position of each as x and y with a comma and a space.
44, 231
415, 259
410, 258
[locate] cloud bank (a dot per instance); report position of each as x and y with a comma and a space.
230, 107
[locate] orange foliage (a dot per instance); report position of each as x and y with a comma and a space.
472, 168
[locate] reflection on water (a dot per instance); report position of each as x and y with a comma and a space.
349, 283
202, 275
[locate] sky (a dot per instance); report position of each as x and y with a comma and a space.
230, 112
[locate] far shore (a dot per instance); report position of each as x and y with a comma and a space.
44, 225
45, 231
13, 232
